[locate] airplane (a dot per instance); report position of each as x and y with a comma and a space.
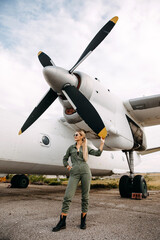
86, 105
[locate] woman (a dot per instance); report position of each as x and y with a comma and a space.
78, 172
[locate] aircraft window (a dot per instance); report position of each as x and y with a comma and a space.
45, 140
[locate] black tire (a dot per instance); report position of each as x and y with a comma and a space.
14, 181
125, 186
140, 185
23, 181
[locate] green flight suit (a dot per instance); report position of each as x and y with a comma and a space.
80, 172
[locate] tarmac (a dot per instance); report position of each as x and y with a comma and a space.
30, 214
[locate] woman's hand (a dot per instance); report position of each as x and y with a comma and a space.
102, 144
102, 140
84, 141
69, 168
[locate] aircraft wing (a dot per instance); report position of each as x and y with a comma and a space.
145, 110
150, 150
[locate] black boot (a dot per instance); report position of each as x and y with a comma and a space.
83, 221
61, 224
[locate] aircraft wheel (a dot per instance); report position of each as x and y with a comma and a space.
125, 186
14, 181
23, 181
19, 181
140, 185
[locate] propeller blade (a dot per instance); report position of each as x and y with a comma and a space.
45, 60
85, 109
47, 100
105, 30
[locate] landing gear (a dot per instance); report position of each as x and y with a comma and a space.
140, 185
125, 186
19, 181
131, 184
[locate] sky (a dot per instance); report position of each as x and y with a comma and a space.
126, 62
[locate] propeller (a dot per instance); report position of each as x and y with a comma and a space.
100, 36
45, 60
87, 113
47, 100
74, 96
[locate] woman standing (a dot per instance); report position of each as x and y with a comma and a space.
78, 172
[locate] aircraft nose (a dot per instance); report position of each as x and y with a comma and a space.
57, 77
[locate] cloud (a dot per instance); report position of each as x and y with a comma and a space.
64, 28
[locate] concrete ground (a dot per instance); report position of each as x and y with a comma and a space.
30, 214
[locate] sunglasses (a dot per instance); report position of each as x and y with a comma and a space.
77, 134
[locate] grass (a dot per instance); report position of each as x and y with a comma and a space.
39, 180
152, 179
105, 183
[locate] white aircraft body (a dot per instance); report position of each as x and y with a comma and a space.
89, 106
28, 154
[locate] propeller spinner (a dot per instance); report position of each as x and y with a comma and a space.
78, 101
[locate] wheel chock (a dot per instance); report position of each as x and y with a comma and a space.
136, 196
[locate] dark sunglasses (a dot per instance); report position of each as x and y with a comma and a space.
77, 134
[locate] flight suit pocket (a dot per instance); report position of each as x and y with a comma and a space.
73, 153
74, 170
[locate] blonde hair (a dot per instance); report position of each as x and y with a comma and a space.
84, 145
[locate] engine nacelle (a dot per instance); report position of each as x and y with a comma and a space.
85, 85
